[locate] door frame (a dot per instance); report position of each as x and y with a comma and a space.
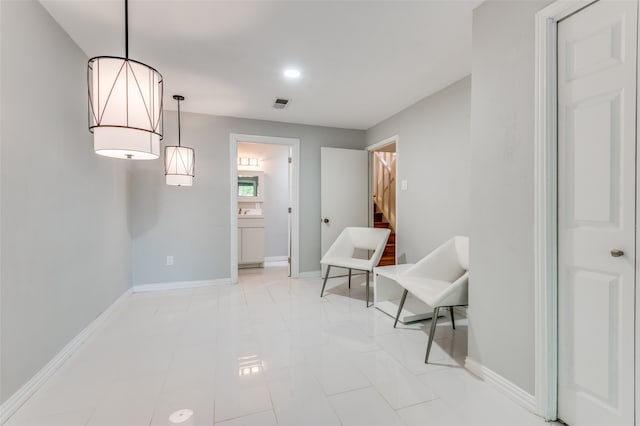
546, 207
371, 148
294, 188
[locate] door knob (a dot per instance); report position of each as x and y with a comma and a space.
617, 253
325, 220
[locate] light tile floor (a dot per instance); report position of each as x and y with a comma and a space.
268, 351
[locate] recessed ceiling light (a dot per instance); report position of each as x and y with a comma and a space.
292, 73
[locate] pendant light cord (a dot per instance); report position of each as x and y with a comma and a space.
126, 29
179, 122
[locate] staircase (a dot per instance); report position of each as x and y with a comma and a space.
384, 200
389, 254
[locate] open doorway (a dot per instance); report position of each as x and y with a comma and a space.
264, 219
383, 194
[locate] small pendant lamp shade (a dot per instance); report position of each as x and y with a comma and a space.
179, 161
125, 108
179, 165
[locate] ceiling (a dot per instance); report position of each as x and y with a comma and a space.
361, 61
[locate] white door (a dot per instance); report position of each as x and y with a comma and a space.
344, 192
596, 214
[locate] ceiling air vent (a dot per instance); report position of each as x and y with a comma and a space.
280, 103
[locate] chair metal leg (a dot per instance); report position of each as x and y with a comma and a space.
453, 320
325, 279
349, 277
404, 297
367, 291
434, 322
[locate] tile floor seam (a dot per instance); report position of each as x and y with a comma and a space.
214, 408
241, 417
164, 382
383, 398
333, 410
270, 295
111, 318
370, 385
419, 403
93, 412
273, 406
388, 406
437, 398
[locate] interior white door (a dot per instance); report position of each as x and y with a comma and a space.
597, 62
344, 191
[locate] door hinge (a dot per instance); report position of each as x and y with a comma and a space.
288, 260
290, 210
290, 160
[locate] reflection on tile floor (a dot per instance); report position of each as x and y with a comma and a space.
268, 351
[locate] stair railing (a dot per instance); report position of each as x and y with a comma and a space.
384, 190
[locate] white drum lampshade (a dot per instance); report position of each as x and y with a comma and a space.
179, 164
125, 108
179, 161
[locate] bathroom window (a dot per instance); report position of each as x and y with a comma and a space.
250, 186
247, 189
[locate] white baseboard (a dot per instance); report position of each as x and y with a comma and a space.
276, 264
275, 261
179, 285
308, 274
517, 394
270, 259
15, 401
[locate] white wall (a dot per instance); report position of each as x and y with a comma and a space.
501, 334
433, 155
274, 162
65, 246
192, 223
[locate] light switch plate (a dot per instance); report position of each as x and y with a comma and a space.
403, 185
169, 260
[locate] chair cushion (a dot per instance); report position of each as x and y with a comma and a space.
425, 289
349, 262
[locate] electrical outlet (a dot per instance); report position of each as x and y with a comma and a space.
169, 260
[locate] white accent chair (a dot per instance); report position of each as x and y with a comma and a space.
441, 279
343, 251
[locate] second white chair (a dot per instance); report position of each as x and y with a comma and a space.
342, 252
441, 279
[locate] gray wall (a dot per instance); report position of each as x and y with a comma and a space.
275, 165
65, 247
502, 111
434, 157
193, 223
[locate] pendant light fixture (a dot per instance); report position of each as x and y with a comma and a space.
125, 105
179, 161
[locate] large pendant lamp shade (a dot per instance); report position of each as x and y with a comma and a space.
179, 161
125, 105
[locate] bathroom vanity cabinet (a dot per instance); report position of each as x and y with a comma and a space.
250, 241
